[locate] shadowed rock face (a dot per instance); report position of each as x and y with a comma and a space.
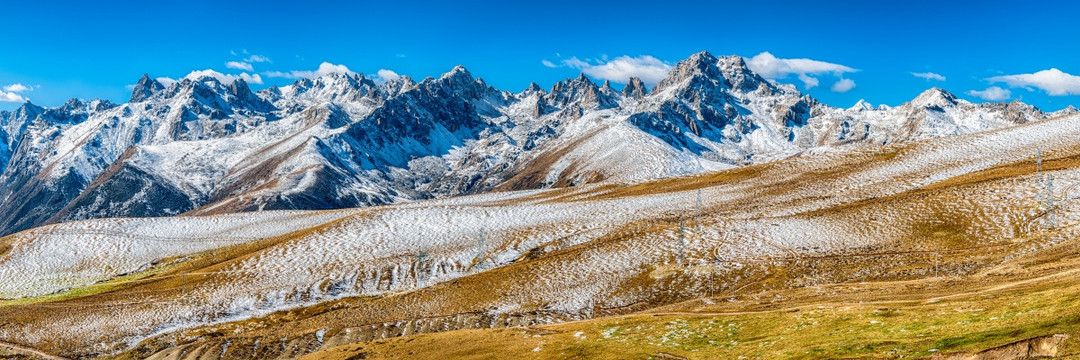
341, 140
145, 88
32, 201
126, 192
635, 89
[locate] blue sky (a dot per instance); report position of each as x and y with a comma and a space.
55, 50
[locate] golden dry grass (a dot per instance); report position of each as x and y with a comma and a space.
888, 319
170, 280
937, 237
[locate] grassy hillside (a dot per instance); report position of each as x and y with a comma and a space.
1028, 298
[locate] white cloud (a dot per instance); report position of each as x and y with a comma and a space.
771, 67
767, 65
809, 81
992, 93
11, 97
842, 86
384, 75
239, 65
254, 79
17, 88
574, 62
929, 76
257, 59
249, 57
9, 93
166, 81
649, 69
324, 68
222, 78
1055, 82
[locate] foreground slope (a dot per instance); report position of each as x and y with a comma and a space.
956, 206
1022, 308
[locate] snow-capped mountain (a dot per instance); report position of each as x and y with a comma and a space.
207, 145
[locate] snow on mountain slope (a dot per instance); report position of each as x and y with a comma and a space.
53, 258
562, 251
204, 145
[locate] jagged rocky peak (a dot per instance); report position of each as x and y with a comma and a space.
460, 80
236, 94
609, 92
204, 79
934, 98
72, 104
1015, 111
240, 88
17, 120
634, 88
458, 70
243, 97
533, 88
582, 92
739, 76
76, 110
458, 75
397, 85
28, 111
349, 81
204, 86
540, 107
145, 88
334, 86
303, 83
581, 82
101, 104
700, 65
862, 105
272, 93
207, 96
606, 87
1068, 110
1020, 105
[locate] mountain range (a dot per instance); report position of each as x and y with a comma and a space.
210, 145
715, 215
